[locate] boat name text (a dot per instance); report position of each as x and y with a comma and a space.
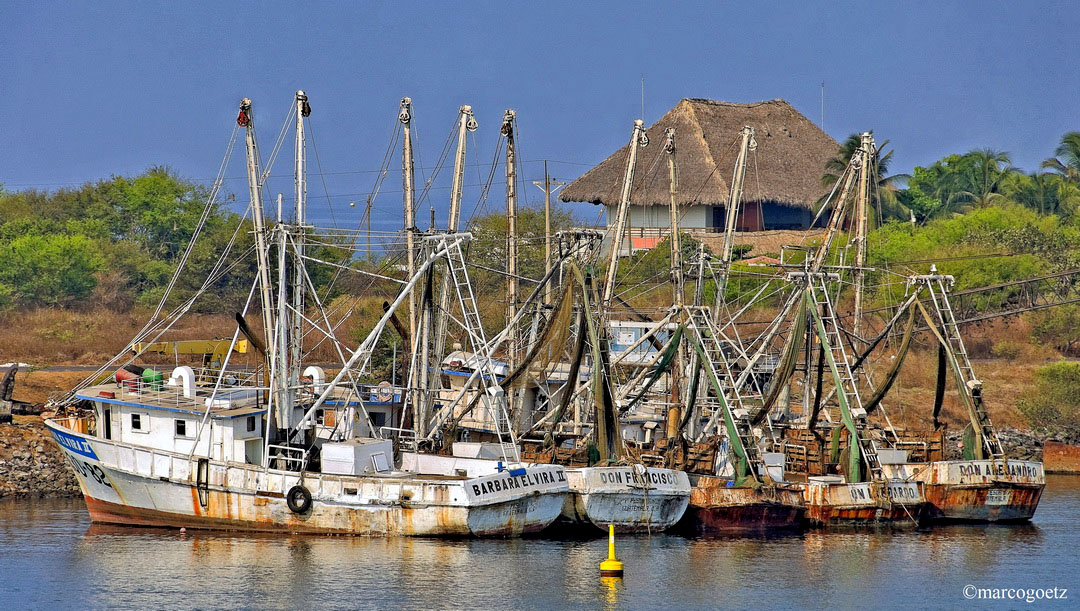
519, 481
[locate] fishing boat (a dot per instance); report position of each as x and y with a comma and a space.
271, 449
544, 374
732, 490
751, 402
985, 485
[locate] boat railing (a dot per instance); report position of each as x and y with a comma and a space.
407, 438
155, 391
161, 393
288, 457
229, 378
366, 393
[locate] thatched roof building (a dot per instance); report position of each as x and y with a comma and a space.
783, 177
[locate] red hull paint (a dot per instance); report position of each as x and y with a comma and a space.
968, 503
717, 508
825, 515
746, 518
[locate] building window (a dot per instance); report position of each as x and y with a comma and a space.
251, 424
136, 422
181, 428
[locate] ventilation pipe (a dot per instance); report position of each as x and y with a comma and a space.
318, 378
184, 377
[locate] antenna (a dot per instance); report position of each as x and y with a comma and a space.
822, 105
642, 97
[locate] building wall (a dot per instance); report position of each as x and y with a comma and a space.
693, 217
775, 216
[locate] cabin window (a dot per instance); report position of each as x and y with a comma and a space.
181, 428
137, 423
250, 424
378, 419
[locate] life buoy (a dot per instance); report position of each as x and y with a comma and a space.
298, 499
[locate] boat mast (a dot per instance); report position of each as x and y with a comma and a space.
466, 123
514, 339
862, 201
246, 120
747, 144
409, 203
674, 415
296, 341
511, 234
638, 138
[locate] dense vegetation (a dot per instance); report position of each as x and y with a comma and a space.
111, 244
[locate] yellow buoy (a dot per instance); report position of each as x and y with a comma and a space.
611, 567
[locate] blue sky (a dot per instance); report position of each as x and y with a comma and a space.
92, 89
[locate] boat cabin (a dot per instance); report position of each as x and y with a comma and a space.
168, 415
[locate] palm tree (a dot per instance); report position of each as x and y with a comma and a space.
884, 194
1036, 191
978, 181
1067, 162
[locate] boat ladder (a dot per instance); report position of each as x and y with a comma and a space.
718, 369
494, 397
935, 284
847, 389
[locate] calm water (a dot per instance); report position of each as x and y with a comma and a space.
50, 556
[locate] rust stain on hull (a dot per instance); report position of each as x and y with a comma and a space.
716, 508
970, 503
823, 515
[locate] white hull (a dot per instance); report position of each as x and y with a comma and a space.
126, 484
633, 498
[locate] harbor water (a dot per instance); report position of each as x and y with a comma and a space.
52, 557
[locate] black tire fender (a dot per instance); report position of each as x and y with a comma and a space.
298, 499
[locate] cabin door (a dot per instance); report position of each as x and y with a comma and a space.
253, 451
106, 417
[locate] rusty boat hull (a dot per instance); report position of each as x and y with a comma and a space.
980, 490
837, 503
136, 486
635, 499
717, 508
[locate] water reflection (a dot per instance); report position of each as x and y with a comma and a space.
63, 560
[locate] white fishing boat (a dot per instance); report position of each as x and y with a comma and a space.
274, 450
633, 498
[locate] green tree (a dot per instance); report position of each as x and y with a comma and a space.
958, 183
1067, 160
488, 247
979, 176
1044, 192
139, 225
55, 270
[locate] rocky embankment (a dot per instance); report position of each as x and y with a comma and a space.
1016, 443
30, 462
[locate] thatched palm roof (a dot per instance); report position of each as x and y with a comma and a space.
786, 168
